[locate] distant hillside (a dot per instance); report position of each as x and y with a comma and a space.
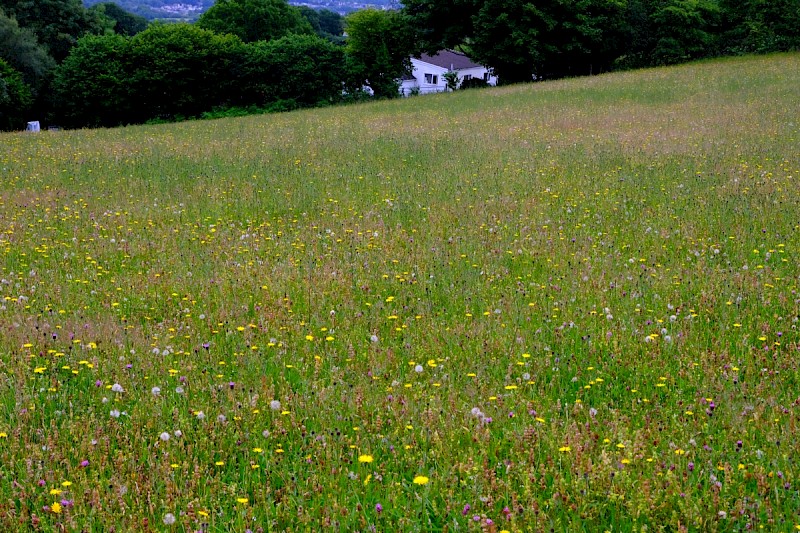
191, 9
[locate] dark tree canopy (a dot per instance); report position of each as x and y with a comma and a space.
57, 24
91, 86
182, 69
304, 69
15, 98
381, 44
521, 39
125, 23
21, 50
255, 20
330, 22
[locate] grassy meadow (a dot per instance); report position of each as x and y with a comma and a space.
566, 306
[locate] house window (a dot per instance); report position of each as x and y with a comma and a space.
467, 77
485, 76
431, 78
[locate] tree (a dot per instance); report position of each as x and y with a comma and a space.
330, 23
255, 20
15, 98
381, 44
124, 22
760, 25
181, 69
521, 39
452, 79
57, 24
91, 86
683, 30
304, 69
21, 50
312, 16
440, 24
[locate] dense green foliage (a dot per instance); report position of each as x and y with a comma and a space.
523, 40
57, 24
15, 98
20, 49
304, 69
569, 306
125, 23
324, 22
255, 20
181, 70
94, 86
381, 44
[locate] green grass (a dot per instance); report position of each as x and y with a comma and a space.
528, 295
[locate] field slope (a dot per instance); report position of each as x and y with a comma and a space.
560, 306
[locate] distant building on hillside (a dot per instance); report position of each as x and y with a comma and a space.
427, 74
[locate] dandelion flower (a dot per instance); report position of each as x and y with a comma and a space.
365, 459
56, 508
421, 480
275, 405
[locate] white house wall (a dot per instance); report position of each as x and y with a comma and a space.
421, 84
421, 69
477, 72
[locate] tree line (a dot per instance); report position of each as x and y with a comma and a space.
102, 66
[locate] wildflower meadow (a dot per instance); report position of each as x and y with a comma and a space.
562, 306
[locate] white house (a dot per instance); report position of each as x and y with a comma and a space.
427, 75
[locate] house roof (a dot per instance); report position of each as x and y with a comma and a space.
449, 59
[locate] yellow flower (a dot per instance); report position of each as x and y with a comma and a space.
365, 459
56, 508
242, 500
421, 480
564, 449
